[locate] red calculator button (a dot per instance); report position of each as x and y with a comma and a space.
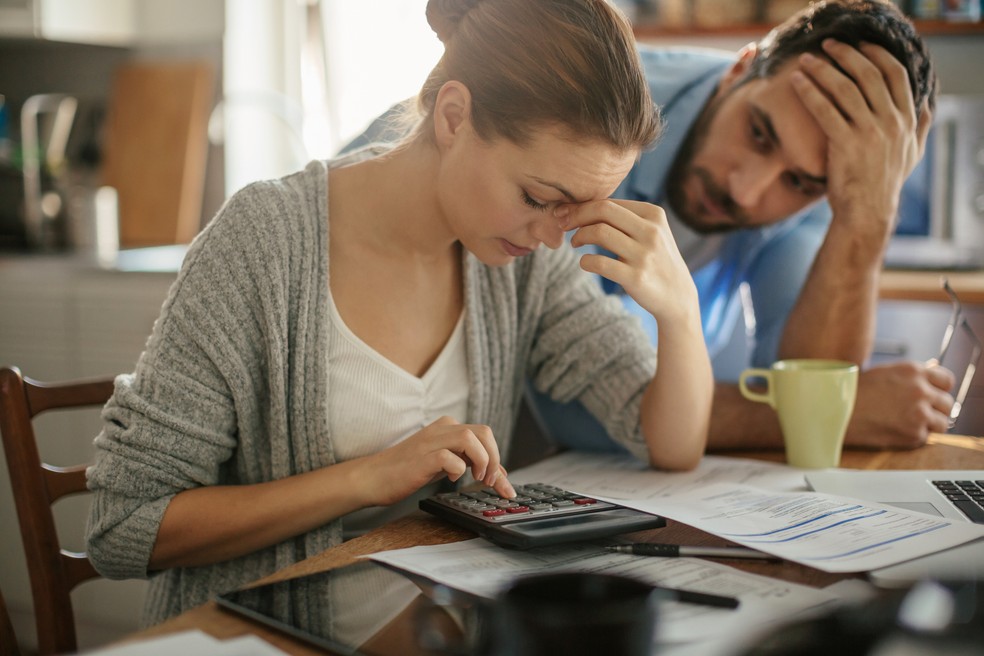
495, 512
518, 509
584, 501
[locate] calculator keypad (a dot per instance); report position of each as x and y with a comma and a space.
531, 500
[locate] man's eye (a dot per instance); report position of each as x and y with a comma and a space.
758, 136
532, 202
795, 183
801, 186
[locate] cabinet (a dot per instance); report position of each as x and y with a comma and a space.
102, 22
62, 318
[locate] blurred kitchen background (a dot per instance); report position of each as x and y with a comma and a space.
125, 124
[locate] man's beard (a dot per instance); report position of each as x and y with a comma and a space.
683, 168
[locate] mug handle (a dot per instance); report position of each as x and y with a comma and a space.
767, 397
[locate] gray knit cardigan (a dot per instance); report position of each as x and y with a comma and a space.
232, 388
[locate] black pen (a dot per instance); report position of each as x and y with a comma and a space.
702, 598
678, 551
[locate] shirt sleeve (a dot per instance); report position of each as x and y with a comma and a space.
776, 279
172, 424
588, 348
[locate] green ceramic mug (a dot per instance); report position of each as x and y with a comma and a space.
814, 400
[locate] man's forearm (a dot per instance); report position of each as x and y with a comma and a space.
835, 314
737, 423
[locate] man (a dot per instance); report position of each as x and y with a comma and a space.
780, 173
754, 140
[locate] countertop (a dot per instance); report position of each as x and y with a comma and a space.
155, 259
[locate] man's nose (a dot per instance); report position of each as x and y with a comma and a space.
751, 178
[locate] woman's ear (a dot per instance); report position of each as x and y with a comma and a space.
452, 112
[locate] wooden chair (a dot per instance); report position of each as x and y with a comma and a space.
54, 572
8, 641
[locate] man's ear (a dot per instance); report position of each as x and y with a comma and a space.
745, 57
452, 112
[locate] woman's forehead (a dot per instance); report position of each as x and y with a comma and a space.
582, 168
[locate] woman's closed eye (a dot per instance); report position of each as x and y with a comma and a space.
534, 203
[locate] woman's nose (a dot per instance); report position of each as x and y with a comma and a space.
548, 231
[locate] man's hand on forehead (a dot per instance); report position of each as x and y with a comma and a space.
862, 100
880, 79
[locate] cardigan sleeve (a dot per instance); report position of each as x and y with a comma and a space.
588, 348
175, 422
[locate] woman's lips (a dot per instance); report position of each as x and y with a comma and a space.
514, 250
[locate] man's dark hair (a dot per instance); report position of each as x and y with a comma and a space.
851, 22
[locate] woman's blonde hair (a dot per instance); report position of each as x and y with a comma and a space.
532, 63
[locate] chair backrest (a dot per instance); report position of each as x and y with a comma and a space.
8, 641
54, 572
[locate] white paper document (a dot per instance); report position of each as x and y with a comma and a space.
479, 567
625, 477
761, 505
828, 532
192, 643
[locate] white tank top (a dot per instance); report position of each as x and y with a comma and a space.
375, 404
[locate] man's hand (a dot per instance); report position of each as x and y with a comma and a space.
875, 139
899, 405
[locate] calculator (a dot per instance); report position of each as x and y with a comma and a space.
539, 515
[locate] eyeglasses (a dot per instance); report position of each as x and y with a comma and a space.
958, 321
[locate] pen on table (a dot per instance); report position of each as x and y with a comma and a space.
678, 551
702, 598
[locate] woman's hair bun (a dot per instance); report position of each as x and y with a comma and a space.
445, 15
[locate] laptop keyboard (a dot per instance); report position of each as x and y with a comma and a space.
967, 496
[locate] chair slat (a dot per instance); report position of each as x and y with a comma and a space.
52, 571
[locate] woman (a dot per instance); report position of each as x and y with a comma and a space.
340, 340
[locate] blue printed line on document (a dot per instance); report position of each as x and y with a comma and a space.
880, 544
801, 524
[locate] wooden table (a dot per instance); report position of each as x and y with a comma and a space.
942, 452
926, 286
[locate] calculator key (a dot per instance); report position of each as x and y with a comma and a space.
584, 501
563, 503
517, 509
495, 512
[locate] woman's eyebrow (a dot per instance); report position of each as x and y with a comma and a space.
570, 197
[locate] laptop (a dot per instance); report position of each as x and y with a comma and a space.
943, 493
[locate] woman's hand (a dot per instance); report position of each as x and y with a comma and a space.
443, 448
647, 263
649, 267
